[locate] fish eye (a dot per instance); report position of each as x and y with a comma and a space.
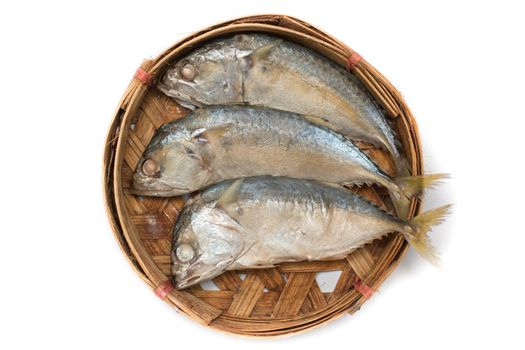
185, 252
150, 167
187, 71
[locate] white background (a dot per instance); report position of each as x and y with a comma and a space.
64, 66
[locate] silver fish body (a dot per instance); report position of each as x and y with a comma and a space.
262, 70
228, 142
263, 221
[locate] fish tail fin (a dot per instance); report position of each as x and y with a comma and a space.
413, 185
410, 186
418, 228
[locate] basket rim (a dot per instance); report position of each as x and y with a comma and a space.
113, 193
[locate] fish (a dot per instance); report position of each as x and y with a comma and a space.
264, 70
260, 222
220, 143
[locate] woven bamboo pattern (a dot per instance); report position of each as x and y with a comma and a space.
270, 302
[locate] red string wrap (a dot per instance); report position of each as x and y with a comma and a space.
353, 60
164, 289
362, 288
143, 76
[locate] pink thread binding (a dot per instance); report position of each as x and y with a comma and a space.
164, 289
353, 60
142, 76
362, 288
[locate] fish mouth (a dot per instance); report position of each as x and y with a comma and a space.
156, 193
161, 193
170, 190
156, 186
184, 100
185, 282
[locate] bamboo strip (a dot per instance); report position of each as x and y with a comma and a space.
388, 100
314, 300
249, 293
271, 279
229, 280
294, 294
344, 284
361, 262
152, 226
312, 266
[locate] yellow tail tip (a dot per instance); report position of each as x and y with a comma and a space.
421, 225
413, 185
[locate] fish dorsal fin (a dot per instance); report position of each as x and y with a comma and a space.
262, 52
320, 121
228, 196
211, 134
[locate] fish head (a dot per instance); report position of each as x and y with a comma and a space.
174, 163
209, 76
206, 242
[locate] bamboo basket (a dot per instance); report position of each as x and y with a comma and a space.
271, 302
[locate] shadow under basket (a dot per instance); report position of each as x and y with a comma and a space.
278, 301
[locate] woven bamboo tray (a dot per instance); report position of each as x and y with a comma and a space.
278, 301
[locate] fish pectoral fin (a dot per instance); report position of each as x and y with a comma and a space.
228, 196
208, 135
261, 53
187, 105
